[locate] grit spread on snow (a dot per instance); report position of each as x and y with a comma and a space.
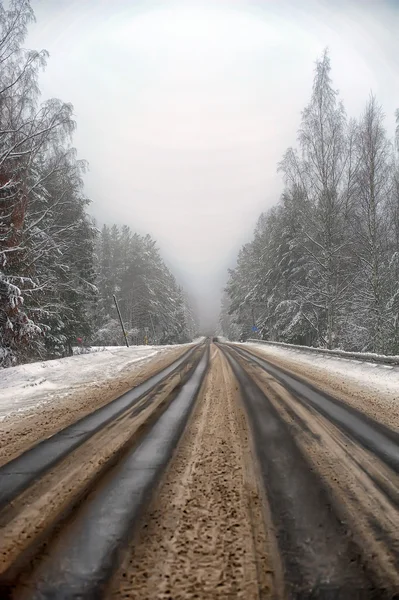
27, 386
371, 387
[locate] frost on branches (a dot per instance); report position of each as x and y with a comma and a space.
323, 267
48, 293
46, 239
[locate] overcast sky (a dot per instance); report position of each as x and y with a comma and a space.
185, 108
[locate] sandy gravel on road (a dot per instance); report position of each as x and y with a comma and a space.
204, 536
359, 385
17, 434
52, 495
364, 491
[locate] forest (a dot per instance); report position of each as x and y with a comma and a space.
58, 273
155, 308
322, 268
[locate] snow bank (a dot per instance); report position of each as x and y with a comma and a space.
366, 356
383, 378
26, 386
91, 349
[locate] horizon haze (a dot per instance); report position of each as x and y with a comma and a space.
184, 110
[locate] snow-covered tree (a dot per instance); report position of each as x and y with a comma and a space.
371, 227
318, 171
154, 308
45, 234
323, 267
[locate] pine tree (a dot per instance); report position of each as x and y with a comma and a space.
153, 306
45, 235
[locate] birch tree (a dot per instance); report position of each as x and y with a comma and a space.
371, 225
322, 145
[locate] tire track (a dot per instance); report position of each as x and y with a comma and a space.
49, 503
334, 504
266, 497
204, 536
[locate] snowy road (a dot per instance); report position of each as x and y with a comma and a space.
27, 386
284, 485
331, 478
38, 399
266, 498
370, 387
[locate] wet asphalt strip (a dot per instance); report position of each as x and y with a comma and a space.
18, 474
320, 559
373, 436
83, 560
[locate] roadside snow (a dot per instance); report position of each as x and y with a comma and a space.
27, 386
371, 387
362, 356
90, 349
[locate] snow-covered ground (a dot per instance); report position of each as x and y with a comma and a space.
363, 356
26, 386
91, 349
372, 387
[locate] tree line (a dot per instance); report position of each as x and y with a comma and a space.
323, 266
53, 263
154, 307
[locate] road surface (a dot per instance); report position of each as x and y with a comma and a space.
221, 475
